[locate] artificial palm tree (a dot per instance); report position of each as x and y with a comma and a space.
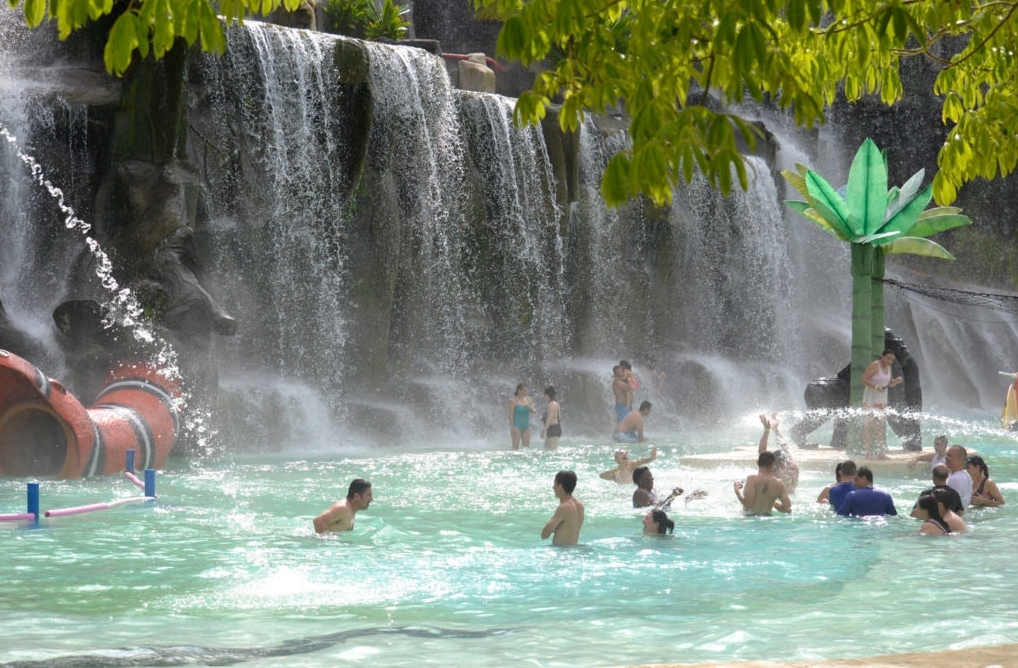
876, 221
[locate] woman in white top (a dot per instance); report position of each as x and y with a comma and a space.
875, 381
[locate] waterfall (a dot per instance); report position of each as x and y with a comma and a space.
415, 143
523, 237
277, 202
399, 254
48, 165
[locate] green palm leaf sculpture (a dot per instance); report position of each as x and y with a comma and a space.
876, 221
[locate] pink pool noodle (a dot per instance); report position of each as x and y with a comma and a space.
14, 517
133, 478
77, 510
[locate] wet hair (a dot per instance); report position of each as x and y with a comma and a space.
645, 405
848, 468
358, 486
940, 439
518, 388
765, 459
638, 474
977, 461
928, 502
942, 496
626, 365
550, 391
567, 479
962, 450
865, 472
615, 369
661, 520
940, 473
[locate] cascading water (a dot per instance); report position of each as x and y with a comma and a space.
35, 251
38, 261
392, 245
520, 235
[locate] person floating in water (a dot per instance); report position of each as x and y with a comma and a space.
565, 524
520, 408
340, 516
630, 429
623, 471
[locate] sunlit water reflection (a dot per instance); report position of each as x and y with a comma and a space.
447, 567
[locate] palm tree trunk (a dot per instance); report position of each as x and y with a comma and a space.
877, 344
862, 316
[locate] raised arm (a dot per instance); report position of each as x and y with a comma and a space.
646, 460
766, 433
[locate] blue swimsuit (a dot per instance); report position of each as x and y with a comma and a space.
521, 417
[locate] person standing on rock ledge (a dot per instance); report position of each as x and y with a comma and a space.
875, 381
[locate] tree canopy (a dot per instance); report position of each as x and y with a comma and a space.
148, 26
677, 65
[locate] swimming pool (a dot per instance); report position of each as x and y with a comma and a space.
447, 567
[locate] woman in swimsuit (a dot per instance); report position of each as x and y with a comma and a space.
552, 420
656, 523
520, 408
875, 381
928, 510
984, 490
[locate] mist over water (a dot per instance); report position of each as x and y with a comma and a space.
496, 276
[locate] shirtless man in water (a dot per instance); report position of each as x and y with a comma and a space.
339, 517
630, 430
763, 490
568, 518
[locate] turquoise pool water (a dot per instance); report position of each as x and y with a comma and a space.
447, 567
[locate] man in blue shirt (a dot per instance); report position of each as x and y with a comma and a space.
864, 501
836, 494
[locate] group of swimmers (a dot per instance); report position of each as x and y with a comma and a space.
959, 480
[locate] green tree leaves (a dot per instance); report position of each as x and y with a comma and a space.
678, 64
148, 26
662, 59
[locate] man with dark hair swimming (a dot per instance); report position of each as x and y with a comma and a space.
340, 516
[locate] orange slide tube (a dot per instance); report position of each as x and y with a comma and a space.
46, 432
